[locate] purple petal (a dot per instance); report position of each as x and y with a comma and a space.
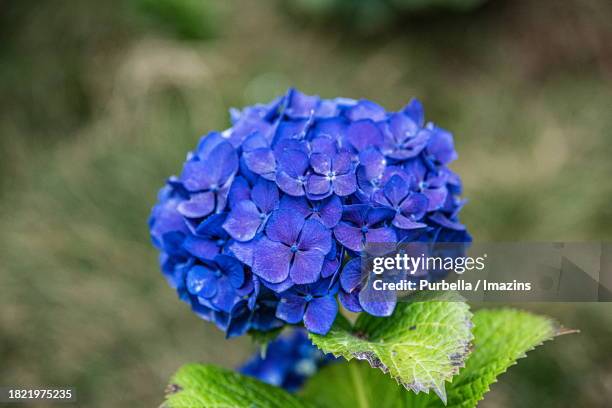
222, 162
201, 281
377, 302
212, 226
306, 267
290, 185
350, 237
265, 195
321, 163
380, 241
441, 146
243, 221
291, 308
345, 184
295, 204
350, 301
279, 287
198, 206
271, 260
301, 105
380, 235
330, 211
330, 267
342, 163
365, 109
402, 127
290, 129
351, 274
377, 215
356, 214
293, 162
320, 314
226, 296
364, 134
414, 110
243, 251
395, 190
239, 191
207, 143
334, 128
374, 163
410, 147
254, 142
202, 248
232, 269
415, 205
165, 219
318, 184
260, 161
324, 145
196, 176
284, 226
435, 197
407, 223
315, 236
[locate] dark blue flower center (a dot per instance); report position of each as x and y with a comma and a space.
423, 185
214, 188
308, 298
218, 274
262, 216
364, 229
294, 248
220, 242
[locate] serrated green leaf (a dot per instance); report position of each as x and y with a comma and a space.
500, 338
422, 345
202, 386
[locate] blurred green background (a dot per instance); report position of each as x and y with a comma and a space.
100, 101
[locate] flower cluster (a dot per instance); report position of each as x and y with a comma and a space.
263, 220
288, 362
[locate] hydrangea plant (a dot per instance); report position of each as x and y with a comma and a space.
266, 226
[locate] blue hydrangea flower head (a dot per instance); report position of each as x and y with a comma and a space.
267, 221
288, 362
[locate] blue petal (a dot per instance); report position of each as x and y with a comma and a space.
414, 110
306, 267
441, 146
291, 308
351, 275
201, 281
243, 221
364, 134
320, 314
350, 301
232, 269
271, 260
284, 226
202, 248
377, 302
365, 109
315, 237
265, 195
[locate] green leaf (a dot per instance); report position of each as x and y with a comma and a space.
422, 345
354, 385
500, 338
201, 386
